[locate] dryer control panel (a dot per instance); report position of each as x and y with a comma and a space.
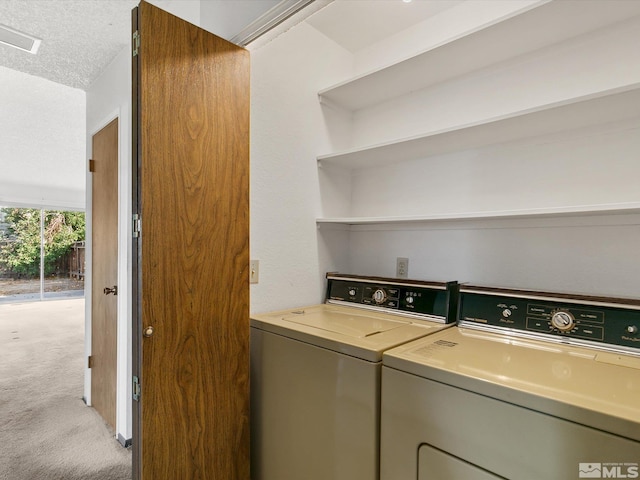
585, 319
436, 300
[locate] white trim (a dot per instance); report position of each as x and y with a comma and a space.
269, 20
106, 121
66, 206
277, 28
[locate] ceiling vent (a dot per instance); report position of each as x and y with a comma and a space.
19, 40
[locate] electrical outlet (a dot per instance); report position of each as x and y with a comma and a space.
254, 271
402, 267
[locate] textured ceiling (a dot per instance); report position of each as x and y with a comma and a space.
79, 37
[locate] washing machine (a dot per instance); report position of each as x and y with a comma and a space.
529, 385
315, 374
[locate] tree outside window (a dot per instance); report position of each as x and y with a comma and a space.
20, 243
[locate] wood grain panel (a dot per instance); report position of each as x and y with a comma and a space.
104, 268
194, 205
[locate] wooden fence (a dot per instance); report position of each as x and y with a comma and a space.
75, 261
71, 264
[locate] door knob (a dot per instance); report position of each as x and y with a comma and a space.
148, 331
113, 290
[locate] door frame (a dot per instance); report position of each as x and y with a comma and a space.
123, 309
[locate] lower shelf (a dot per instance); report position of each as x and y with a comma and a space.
576, 210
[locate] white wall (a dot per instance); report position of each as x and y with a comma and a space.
288, 131
42, 147
107, 98
188, 10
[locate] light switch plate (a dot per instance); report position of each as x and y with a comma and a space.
254, 271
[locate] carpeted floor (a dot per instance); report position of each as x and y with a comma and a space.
46, 430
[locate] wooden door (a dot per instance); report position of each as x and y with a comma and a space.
191, 280
104, 268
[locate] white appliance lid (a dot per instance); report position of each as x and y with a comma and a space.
583, 384
353, 324
354, 331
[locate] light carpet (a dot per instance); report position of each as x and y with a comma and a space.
46, 430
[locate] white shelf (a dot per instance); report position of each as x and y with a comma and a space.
485, 46
577, 210
597, 109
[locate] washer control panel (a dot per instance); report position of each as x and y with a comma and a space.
610, 321
433, 299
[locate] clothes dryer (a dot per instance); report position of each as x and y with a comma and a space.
529, 385
315, 374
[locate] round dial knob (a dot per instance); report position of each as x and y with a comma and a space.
563, 321
506, 313
409, 300
352, 292
632, 329
379, 296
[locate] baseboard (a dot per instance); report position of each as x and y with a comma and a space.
125, 442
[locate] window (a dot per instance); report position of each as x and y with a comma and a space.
41, 254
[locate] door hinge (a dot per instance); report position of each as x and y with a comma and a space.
137, 225
92, 166
89, 361
136, 388
135, 42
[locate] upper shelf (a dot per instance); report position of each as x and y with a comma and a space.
597, 109
536, 27
578, 210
